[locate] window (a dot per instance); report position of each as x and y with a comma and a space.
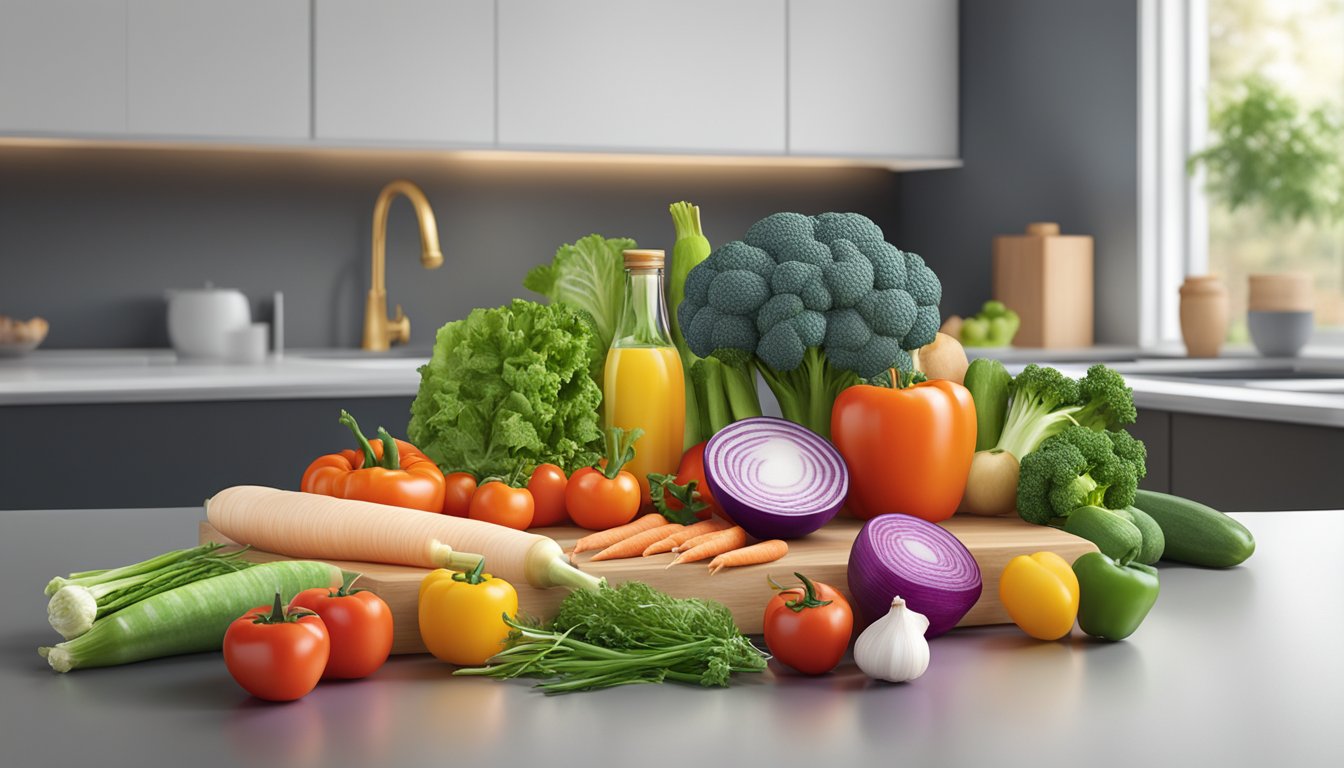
1254, 90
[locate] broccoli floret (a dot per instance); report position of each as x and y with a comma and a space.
1106, 402
1042, 398
830, 304
1079, 467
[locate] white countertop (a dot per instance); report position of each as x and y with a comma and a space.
158, 375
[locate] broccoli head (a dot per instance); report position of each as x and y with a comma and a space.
821, 302
1045, 402
1079, 467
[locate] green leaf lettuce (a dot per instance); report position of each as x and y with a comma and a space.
509, 388
588, 275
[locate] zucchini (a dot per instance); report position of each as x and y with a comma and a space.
1114, 534
1154, 542
1196, 534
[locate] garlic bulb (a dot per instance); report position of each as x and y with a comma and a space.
893, 648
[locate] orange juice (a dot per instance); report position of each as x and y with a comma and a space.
643, 388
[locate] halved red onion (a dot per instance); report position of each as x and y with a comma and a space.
775, 478
919, 561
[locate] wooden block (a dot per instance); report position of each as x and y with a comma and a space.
823, 556
1047, 279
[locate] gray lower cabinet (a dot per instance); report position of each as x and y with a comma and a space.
171, 454
1243, 465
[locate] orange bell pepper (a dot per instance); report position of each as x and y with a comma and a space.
387, 472
908, 446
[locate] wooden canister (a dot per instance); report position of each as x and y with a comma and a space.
1046, 278
1204, 315
1279, 292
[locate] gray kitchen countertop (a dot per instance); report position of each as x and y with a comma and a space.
1235, 667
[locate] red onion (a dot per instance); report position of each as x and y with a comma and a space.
775, 478
917, 560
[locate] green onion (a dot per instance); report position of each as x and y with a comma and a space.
82, 599
188, 619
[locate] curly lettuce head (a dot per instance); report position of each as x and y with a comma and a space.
507, 389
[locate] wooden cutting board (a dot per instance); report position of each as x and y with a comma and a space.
823, 556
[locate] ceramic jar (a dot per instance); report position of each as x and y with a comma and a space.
1204, 315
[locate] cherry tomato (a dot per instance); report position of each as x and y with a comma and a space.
274, 655
501, 504
457, 492
809, 628
547, 485
359, 624
597, 502
692, 468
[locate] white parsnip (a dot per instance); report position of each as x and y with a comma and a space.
307, 525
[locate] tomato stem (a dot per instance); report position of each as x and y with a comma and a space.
809, 598
279, 614
473, 576
348, 579
620, 450
349, 421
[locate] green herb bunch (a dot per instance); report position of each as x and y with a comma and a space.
625, 635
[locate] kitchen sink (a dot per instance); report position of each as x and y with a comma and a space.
343, 353
1306, 375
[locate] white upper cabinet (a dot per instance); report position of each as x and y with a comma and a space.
219, 68
405, 71
873, 78
62, 67
689, 75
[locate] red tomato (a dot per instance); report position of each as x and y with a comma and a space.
597, 502
692, 468
359, 624
501, 504
547, 485
809, 628
279, 658
458, 488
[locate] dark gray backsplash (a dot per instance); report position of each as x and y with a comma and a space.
90, 239
1049, 132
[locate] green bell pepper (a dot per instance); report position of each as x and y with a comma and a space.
1113, 599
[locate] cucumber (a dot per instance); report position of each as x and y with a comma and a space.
989, 384
1114, 535
1196, 534
1154, 542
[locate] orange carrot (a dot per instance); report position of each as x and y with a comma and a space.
604, 539
685, 534
632, 546
760, 552
722, 541
696, 541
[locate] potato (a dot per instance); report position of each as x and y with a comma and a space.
944, 358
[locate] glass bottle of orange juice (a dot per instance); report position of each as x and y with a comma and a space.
642, 382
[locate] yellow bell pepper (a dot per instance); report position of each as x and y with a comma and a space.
1040, 592
462, 615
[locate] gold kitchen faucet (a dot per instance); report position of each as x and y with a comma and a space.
381, 331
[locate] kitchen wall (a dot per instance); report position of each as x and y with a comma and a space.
1049, 132
90, 239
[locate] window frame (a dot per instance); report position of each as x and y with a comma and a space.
1173, 205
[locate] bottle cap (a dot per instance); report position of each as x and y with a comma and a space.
642, 259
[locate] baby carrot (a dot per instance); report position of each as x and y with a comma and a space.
760, 552
721, 541
695, 541
632, 546
685, 534
604, 539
